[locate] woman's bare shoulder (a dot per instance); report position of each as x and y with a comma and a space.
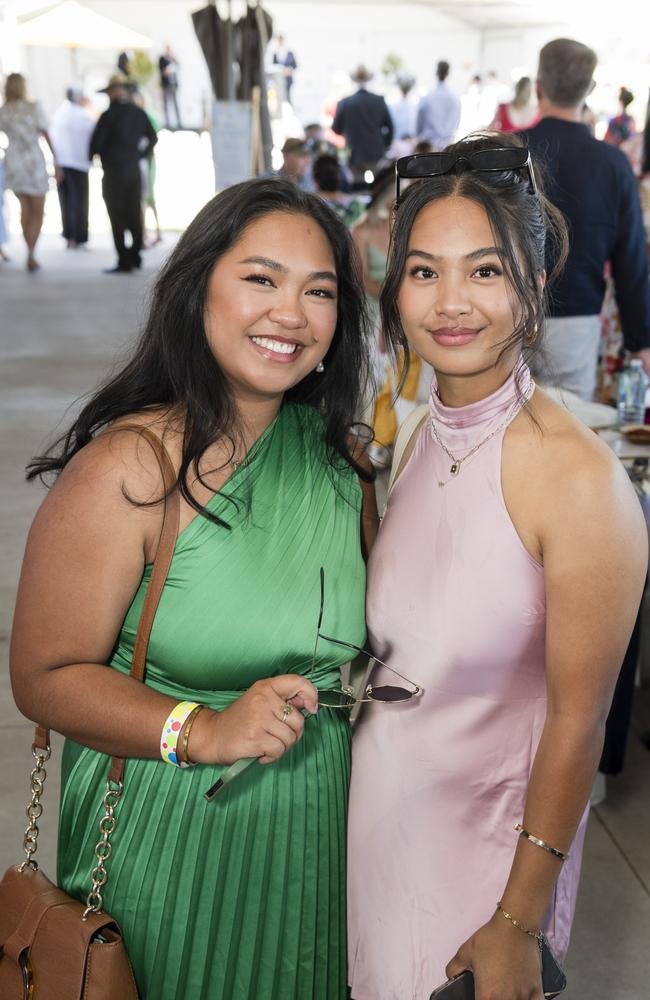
121, 462
561, 438
577, 470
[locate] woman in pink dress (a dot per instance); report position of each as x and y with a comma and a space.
505, 582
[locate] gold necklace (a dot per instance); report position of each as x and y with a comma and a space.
457, 463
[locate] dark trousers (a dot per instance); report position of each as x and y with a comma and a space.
620, 714
169, 97
122, 193
73, 198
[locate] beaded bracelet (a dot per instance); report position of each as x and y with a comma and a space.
534, 934
540, 843
171, 729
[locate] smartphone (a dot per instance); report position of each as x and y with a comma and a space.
462, 987
459, 988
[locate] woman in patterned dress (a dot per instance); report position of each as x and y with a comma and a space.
24, 123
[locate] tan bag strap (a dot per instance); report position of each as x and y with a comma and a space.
41, 745
162, 561
407, 431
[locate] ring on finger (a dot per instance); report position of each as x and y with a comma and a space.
286, 712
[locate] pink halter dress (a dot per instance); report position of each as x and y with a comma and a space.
457, 604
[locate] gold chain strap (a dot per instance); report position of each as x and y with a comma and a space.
35, 809
103, 848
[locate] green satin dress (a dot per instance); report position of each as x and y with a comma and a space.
241, 898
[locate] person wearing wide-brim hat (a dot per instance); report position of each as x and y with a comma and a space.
116, 82
365, 121
122, 136
361, 74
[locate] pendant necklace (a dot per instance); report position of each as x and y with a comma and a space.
458, 463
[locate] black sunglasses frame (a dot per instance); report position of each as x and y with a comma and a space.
514, 159
349, 700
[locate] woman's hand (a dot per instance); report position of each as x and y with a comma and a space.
504, 961
256, 725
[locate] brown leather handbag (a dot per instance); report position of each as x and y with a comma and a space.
52, 947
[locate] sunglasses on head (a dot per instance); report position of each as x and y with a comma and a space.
419, 166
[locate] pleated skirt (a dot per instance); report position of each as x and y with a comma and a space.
239, 898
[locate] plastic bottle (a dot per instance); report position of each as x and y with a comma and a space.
631, 394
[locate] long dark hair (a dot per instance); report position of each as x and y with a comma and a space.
527, 228
172, 366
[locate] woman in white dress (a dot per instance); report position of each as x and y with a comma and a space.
24, 122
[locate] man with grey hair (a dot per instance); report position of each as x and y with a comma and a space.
592, 183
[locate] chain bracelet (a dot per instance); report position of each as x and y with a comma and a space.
35, 809
103, 848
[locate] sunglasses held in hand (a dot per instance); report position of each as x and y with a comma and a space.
334, 698
344, 697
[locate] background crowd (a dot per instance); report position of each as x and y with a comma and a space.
347, 159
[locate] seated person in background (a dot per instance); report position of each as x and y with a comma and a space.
317, 142
328, 182
296, 156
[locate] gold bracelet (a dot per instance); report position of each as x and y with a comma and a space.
540, 843
185, 737
534, 934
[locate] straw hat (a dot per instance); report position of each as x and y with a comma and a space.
116, 80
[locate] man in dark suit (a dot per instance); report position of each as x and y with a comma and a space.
365, 121
122, 136
283, 56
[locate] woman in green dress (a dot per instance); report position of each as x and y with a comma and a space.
249, 371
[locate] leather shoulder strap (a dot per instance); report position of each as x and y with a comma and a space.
162, 561
405, 435
164, 554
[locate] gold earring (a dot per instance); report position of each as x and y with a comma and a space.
532, 336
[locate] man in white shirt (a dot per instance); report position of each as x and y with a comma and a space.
70, 132
439, 112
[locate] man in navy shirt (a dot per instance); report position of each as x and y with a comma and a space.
592, 183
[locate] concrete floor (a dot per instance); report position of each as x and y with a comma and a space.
60, 332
